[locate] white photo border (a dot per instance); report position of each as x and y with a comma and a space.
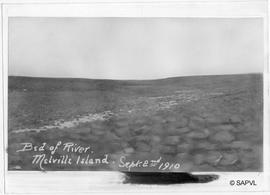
29, 182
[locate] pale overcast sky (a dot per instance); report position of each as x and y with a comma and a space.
134, 48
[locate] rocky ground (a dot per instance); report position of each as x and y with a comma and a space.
206, 124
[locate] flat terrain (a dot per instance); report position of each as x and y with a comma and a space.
206, 123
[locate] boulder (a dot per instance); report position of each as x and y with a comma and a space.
241, 145
171, 119
197, 120
214, 120
181, 122
155, 139
124, 144
224, 128
235, 119
109, 136
177, 131
121, 122
97, 125
182, 130
213, 157
198, 159
194, 126
181, 157
114, 147
122, 132
184, 147
142, 130
187, 167
140, 121
142, 147
171, 140
223, 136
196, 123
206, 145
98, 132
168, 150
142, 138
228, 159
199, 134
129, 150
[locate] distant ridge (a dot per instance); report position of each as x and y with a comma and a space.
82, 84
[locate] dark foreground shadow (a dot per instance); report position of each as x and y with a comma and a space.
162, 178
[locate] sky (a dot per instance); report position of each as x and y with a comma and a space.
134, 48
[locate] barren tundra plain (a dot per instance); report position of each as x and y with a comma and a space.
204, 123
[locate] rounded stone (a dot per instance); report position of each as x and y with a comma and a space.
168, 150
140, 121
199, 134
198, 120
213, 158
115, 147
228, 159
181, 157
142, 147
122, 123
98, 132
235, 119
251, 158
194, 126
97, 125
122, 132
129, 150
182, 130
184, 147
206, 146
182, 122
155, 139
124, 144
171, 119
156, 127
214, 120
171, 140
198, 159
241, 145
141, 131
142, 138
164, 121
250, 126
223, 136
224, 128
177, 131
111, 136
171, 130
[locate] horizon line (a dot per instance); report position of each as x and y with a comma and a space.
137, 79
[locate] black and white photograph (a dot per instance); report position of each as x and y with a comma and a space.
110, 93
154, 99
